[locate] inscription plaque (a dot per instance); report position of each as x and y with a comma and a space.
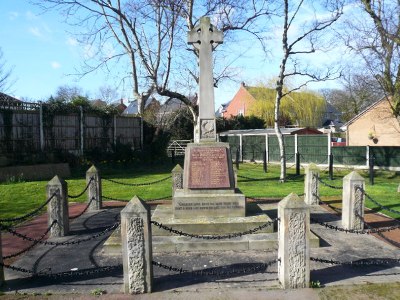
208, 168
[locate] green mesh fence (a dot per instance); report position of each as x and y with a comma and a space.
253, 147
313, 148
234, 143
386, 156
349, 155
273, 148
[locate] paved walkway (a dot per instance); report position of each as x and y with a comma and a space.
84, 267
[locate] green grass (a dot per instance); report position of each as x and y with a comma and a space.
19, 198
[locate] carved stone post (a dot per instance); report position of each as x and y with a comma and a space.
177, 178
2, 280
57, 208
294, 245
311, 185
136, 247
94, 190
353, 201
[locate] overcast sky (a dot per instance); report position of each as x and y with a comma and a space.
43, 53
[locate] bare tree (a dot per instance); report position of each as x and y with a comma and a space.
152, 36
107, 94
295, 45
5, 74
376, 39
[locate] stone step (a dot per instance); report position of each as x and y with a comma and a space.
164, 244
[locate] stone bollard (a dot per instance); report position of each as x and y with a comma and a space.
94, 190
137, 253
177, 178
57, 208
311, 185
2, 278
294, 244
353, 201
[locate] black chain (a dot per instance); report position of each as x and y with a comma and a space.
27, 238
214, 271
361, 262
250, 178
34, 243
87, 186
329, 185
356, 231
327, 204
213, 237
84, 272
377, 203
138, 184
84, 210
28, 215
394, 243
146, 200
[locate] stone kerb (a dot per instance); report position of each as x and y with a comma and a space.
294, 244
57, 208
1, 264
136, 247
177, 178
94, 189
311, 185
353, 199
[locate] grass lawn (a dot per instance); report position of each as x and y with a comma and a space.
19, 198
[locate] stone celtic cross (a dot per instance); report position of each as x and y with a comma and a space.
204, 37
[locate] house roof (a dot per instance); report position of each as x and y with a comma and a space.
5, 97
367, 109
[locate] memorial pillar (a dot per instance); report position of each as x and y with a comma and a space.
177, 178
57, 208
353, 201
94, 191
136, 247
294, 244
311, 185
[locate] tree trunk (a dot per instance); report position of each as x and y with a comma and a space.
281, 141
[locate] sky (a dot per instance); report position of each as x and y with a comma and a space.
43, 54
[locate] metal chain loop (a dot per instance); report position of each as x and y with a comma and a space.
358, 231
361, 262
329, 185
34, 243
138, 184
214, 271
84, 210
394, 243
28, 215
146, 200
87, 186
377, 203
327, 204
214, 237
75, 242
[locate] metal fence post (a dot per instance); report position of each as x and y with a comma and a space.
330, 168
265, 162
353, 201
237, 159
294, 244
137, 253
371, 168
297, 157
93, 178
57, 208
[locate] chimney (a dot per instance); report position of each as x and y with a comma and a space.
243, 84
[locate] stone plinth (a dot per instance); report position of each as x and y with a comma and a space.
353, 201
311, 185
136, 247
177, 178
208, 184
57, 208
209, 203
94, 190
294, 244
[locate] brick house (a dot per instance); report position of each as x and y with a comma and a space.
374, 126
239, 104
